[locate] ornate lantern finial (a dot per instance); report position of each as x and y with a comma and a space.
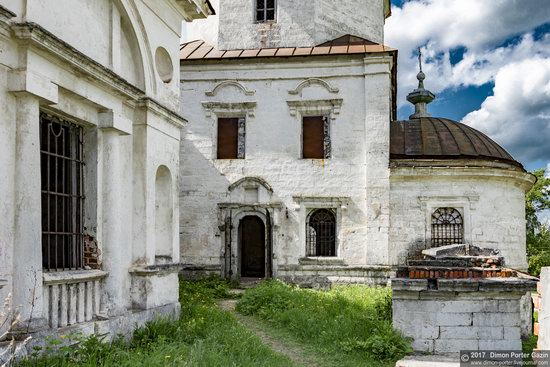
420, 97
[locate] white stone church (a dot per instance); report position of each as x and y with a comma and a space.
292, 163
274, 154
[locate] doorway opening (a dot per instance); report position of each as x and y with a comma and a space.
252, 241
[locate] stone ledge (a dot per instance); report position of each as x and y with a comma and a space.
73, 276
158, 269
409, 284
321, 261
516, 284
365, 268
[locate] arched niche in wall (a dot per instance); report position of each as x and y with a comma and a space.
164, 216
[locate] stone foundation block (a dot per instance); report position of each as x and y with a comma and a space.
454, 319
423, 345
470, 306
496, 319
513, 332
446, 346
500, 344
470, 332
508, 305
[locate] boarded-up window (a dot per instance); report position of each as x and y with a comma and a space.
315, 137
265, 10
231, 138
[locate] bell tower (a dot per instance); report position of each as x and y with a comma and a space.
252, 24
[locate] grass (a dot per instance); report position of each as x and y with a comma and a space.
202, 336
346, 326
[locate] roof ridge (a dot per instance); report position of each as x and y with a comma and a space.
449, 130
461, 127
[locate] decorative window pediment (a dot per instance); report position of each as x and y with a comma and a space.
251, 182
330, 107
313, 81
230, 83
229, 108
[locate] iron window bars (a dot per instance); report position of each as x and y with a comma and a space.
447, 227
62, 185
265, 10
321, 233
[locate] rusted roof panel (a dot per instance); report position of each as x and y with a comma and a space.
201, 52
285, 52
438, 138
341, 46
302, 51
189, 48
267, 52
232, 54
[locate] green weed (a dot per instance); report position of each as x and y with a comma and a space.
202, 336
350, 323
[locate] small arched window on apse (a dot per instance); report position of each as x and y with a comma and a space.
321, 233
164, 215
447, 227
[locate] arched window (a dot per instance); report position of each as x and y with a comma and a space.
321, 233
447, 227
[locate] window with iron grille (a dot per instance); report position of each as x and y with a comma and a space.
62, 183
231, 138
265, 10
321, 233
447, 227
316, 137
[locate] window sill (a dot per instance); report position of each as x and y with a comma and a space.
73, 276
321, 260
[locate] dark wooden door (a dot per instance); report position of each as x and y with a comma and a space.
252, 233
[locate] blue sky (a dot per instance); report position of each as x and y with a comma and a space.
488, 63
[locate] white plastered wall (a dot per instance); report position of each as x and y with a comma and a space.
492, 202
268, 97
78, 69
298, 23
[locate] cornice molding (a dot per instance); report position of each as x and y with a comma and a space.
6, 13
33, 35
247, 108
160, 110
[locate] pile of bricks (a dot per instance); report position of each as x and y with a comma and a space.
460, 297
457, 262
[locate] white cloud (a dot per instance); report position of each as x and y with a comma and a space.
517, 115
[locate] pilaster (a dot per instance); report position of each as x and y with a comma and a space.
27, 253
377, 137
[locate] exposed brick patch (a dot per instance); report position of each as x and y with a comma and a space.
92, 254
419, 273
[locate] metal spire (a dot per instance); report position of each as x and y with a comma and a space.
420, 97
